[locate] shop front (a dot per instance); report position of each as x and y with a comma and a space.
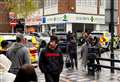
32, 24
73, 22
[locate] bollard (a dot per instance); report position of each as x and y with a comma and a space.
91, 61
90, 65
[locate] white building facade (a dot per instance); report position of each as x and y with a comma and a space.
73, 15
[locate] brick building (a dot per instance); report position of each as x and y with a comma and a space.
4, 17
74, 15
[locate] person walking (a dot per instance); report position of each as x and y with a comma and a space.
42, 46
26, 74
84, 52
72, 52
18, 54
51, 61
96, 47
69, 35
5, 64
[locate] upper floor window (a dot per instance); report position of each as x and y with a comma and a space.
50, 3
86, 3
102, 3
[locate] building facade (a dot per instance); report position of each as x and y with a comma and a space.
4, 17
73, 15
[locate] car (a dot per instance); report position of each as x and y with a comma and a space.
62, 37
33, 52
105, 37
11, 38
41, 36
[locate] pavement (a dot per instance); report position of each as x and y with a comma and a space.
79, 75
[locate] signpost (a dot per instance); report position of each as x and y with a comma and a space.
13, 23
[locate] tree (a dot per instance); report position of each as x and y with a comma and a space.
22, 7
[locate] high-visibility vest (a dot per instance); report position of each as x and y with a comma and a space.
1, 39
35, 42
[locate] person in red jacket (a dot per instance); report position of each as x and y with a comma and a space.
51, 61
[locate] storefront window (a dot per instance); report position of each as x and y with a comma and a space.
61, 27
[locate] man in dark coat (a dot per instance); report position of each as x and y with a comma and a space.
51, 61
72, 51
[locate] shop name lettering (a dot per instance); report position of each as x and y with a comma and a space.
55, 19
89, 19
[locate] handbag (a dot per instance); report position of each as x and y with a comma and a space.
67, 62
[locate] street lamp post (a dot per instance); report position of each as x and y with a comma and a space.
43, 12
111, 26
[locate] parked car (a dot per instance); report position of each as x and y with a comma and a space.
62, 37
33, 52
11, 38
105, 39
41, 36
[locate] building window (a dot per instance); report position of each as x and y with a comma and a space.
102, 3
50, 3
61, 27
86, 3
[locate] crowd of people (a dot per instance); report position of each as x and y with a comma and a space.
15, 64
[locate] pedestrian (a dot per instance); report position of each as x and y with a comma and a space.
84, 52
96, 47
5, 64
51, 61
69, 35
18, 54
72, 51
4, 46
42, 46
82, 39
26, 74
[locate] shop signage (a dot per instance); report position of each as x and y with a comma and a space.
75, 18
36, 20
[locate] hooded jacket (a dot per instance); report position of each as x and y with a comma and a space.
5, 64
19, 55
51, 61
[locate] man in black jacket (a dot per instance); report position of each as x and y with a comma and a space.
51, 61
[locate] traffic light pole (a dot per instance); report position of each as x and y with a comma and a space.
111, 26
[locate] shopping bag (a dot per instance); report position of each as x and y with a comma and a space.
67, 62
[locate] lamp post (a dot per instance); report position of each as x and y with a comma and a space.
43, 11
111, 27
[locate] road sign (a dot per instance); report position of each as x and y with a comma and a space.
13, 23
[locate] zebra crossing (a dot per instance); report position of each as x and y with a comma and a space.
69, 75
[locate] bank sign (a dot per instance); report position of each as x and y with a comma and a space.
75, 18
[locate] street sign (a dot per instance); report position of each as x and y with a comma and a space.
13, 23
43, 19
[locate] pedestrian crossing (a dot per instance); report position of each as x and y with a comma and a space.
69, 75
74, 76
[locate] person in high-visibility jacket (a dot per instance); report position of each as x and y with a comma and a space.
1, 39
35, 42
